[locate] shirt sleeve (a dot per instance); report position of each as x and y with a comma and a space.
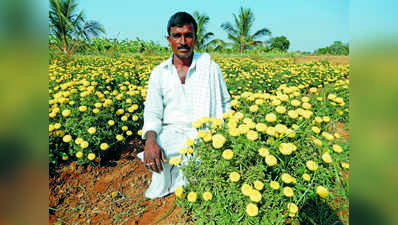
153, 109
225, 96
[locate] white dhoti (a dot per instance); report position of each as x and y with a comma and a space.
171, 139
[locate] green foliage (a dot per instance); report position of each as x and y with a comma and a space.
67, 24
337, 48
202, 37
323, 95
280, 43
240, 32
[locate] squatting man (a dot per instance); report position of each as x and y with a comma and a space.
186, 87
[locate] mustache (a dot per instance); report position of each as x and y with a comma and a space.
183, 47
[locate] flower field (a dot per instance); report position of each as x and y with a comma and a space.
277, 158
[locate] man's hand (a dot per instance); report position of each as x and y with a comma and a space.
153, 154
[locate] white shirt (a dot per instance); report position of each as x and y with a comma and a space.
169, 102
171, 107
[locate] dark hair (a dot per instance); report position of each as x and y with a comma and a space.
180, 19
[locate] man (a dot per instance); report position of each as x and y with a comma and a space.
182, 89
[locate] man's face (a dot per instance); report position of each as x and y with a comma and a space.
182, 40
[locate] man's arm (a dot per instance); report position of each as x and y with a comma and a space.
225, 96
153, 115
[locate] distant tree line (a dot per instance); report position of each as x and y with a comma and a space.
337, 48
70, 32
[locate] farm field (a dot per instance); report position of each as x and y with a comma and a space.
280, 157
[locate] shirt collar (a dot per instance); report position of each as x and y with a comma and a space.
169, 62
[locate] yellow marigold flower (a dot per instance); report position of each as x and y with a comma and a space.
295, 102
253, 108
319, 98
307, 114
280, 109
66, 112
119, 111
287, 178
271, 160
274, 185
311, 165
207, 196
280, 128
313, 90
263, 152
190, 142
259, 101
306, 177
202, 133
252, 209
67, 138
84, 144
255, 196
124, 128
258, 185
98, 105
234, 176
183, 151
91, 156
261, 127
316, 130
271, 131
292, 209
119, 137
252, 135
337, 135
234, 131
305, 99
208, 137
227, 154
179, 192
317, 141
234, 103
129, 133
276, 102
285, 149
345, 165
288, 191
124, 118
92, 130
192, 196
218, 141
270, 117
246, 189
326, 119
79, 140
111, 122
292, 114
96, 110
104, 146
326, 157
196, 124
175, 161
139, 132
65, 157
322, 191
306, 105
79, 154
337, 148
328, 136
82, 108
238, 115
135, 118
190, 150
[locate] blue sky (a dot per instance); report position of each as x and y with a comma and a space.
307, 24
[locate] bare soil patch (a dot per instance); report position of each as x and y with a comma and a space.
109, 194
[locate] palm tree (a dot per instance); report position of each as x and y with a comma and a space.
202, 36
67, 23
239, 34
